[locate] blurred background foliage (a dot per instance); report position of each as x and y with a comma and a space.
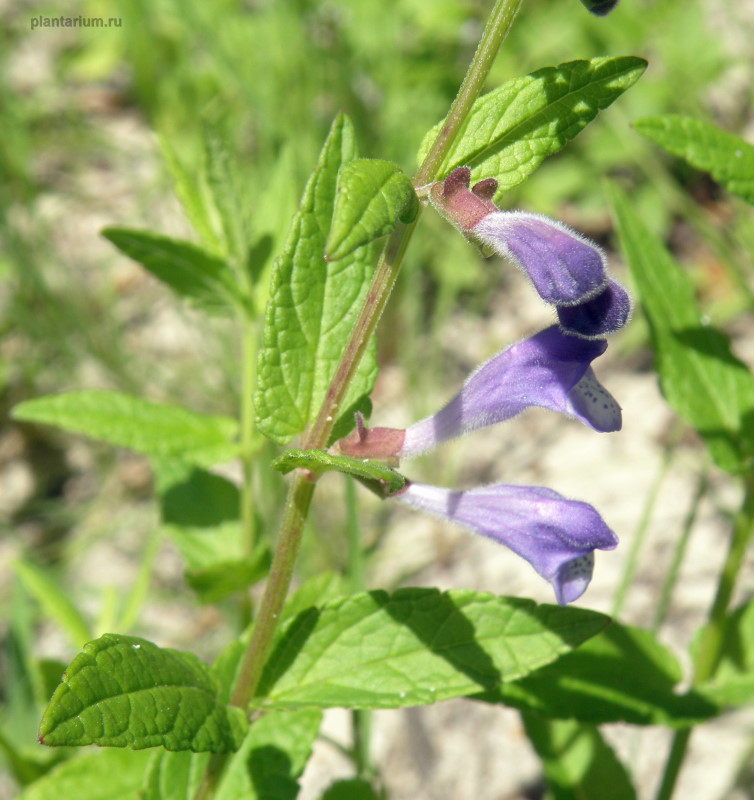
103, 127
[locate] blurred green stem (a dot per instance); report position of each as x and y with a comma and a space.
301, 489
361, 719
709, 647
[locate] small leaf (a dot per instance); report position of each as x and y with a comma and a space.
371, 197
513, 128
624, 674
189, 192
318, 461
224, 186
189, 271
699, 375
414, 647
576, 760
224, 578
99, 775
312, 307
728, 158
733, 681
55, 601
121, 691
127, 421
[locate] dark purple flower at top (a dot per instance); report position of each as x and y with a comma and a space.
564, 267
555, 535
599, 316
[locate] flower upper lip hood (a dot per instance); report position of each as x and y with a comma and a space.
568, 270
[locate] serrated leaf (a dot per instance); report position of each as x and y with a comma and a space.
699, 375
414, 647
576, 760
127, 421
312, 307
318, 461
55, 601
513, 128
122, 691
728, 158
372, 195
99, 775
733, 681
624, 674
188, 270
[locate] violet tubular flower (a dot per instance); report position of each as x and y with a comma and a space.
549, 369
568, 270
555, 535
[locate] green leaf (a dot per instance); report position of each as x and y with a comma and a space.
372, 196
624, 674
513, 128
173, 776
200, 513
318, 461
189, 271
54, 600
312, 307
265, 767
227, 195
272, 757
99, 775
728, 158
350, 789
316, 591
414, 647
127, 421
733, 681
699, 376
122, 691
189, 192
578, 764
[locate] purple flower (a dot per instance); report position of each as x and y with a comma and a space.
555, 535
567, 269
549, 369
602, 314
564, 267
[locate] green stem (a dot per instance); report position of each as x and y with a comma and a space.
663, 604
361, 719
642, 527
301, 490
497, 27
248, 379
709, 649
